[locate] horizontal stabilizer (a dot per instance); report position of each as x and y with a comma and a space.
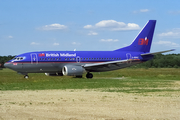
157, 52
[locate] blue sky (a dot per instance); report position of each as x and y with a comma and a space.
88, 25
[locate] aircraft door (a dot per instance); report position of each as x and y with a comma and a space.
34, 58
129, 58
78, 59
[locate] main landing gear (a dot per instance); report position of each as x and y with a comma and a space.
89, 75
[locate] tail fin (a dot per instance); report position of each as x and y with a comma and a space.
142, 42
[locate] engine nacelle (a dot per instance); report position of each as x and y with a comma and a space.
72, 70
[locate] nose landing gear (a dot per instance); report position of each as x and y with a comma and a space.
26, 76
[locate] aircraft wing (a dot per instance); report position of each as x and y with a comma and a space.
156, 52
117, 63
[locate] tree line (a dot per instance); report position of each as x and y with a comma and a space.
159, 61
4, 59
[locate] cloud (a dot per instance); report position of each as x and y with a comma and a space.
55, 44
10, 37
174, 12
168, 34
75, 43
144, 10
113, 25
92, 33
173, 33
88, 26
34, 43
109, 40
168, 43
54, 26
141, 11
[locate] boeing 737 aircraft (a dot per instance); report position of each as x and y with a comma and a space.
75, 63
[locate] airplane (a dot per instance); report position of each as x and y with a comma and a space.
76, 63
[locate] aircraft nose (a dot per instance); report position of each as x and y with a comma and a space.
6, 65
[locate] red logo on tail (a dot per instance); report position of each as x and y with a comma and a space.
143, 41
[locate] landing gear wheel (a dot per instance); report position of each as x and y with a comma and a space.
89, 75
26, 76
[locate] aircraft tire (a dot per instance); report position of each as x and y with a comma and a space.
26, 76
89, 75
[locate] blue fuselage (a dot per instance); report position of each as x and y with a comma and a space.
53, 61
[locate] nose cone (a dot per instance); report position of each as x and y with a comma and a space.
13, 66
9, 65
6, 65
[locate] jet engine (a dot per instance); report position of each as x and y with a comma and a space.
72, 70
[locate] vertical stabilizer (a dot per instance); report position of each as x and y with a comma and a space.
142, 43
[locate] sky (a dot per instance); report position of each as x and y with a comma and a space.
85, 25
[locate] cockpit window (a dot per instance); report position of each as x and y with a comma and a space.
18, 58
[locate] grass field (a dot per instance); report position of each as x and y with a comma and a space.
124, 80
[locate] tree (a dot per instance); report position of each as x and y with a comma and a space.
4, 59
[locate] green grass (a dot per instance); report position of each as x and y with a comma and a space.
125, 80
